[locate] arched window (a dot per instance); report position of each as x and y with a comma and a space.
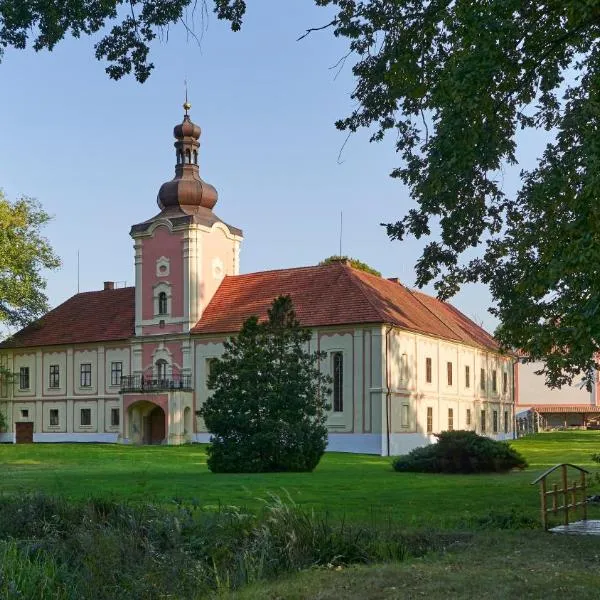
338, 381
162, 303
161, 369
195, 157
178, 157
188, 157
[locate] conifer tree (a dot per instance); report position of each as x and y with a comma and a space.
268, 406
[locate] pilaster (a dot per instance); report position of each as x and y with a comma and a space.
138, 286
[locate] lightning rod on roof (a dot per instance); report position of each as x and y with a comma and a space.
341, 230
78, 271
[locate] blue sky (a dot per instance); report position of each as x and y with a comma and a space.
94, 151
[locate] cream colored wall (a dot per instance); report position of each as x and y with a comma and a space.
204, 351
329, 343
115, 355
80, 357
70, 397
362, 383
411, 394
27, 359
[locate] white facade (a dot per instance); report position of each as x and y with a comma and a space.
398, 388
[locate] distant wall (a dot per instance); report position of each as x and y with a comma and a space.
532, 390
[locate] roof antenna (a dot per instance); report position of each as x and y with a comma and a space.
341, 230
78, 271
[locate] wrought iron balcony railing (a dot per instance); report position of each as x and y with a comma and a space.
149, 383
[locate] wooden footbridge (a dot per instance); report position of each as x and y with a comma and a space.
567, 500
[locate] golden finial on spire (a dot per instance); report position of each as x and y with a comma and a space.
186, 104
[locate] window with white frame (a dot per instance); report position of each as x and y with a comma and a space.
163, 303
468, 419
430, 419
85, 417
495, 421
114, 417
467, 376
504, 382
428, 370
116, 372
506, 421
494, 381
337, 369
450, 419
54, 381
24, 378
161, 369
85, 375
54, 418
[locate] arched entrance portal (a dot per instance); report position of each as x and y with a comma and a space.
147, 423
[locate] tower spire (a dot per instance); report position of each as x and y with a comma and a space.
186, 189
186, 104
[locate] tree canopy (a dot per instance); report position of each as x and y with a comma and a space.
24, 254
354, 262
267, 410
453, 81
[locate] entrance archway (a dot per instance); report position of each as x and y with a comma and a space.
147, 423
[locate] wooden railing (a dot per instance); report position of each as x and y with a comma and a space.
563, 499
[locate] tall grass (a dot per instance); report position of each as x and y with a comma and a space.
51, 548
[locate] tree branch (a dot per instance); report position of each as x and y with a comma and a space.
309, 31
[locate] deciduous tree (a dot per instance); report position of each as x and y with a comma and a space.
24, 254
454, 81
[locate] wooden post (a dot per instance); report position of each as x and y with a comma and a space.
543, 498
565, 490
554, 498
584, 492
574, 497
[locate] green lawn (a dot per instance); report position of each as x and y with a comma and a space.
358, 487
499, 565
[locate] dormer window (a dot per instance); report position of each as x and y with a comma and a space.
162, 303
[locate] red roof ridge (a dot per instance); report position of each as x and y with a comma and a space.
360, 284
281, 270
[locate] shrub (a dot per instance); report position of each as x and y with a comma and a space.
99, 550
268, 402
461, 452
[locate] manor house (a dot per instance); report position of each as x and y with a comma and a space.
130, 364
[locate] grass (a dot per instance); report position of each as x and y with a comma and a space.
355, 487
479, 533
504, 565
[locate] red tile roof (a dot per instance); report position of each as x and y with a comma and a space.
103, 316
337, 294
334, 294
562, 408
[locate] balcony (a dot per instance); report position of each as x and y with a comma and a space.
147, 383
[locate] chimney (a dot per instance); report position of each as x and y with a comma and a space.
109, 285
393, 279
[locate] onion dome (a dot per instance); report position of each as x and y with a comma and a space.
187, 190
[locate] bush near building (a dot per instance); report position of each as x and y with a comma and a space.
461, 452
267, 411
